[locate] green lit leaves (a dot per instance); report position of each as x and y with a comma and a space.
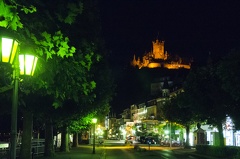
87, 60
54, 45
82, 123
9, 17
31, 9
88, 87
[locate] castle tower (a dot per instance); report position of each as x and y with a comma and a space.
158, 49
159, 58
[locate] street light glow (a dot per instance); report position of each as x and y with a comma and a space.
27, 64
8, 50
94, 120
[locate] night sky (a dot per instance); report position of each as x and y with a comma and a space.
190, 28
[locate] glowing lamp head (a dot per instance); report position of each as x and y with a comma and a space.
94, 120
27, 64
8, 49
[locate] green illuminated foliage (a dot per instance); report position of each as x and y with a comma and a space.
67, 44
9, 17
30, 9
82, 123
53, 45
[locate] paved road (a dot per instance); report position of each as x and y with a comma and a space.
153, 153
126, 152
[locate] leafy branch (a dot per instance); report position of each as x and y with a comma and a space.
9, 17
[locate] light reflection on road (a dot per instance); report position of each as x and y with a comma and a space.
122, 151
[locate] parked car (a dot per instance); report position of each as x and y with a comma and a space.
148, 140
167, 143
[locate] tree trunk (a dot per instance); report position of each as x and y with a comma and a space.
26, 147
56, 141
75, 140
49, 149
187, 144
220, 130
64, 140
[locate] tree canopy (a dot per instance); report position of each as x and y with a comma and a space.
229, 75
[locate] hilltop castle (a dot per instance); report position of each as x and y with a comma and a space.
159, 58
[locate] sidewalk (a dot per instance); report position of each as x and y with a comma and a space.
83, 152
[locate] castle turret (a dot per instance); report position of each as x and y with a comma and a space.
158, 49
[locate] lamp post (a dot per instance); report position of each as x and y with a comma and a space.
94, 121
9, 54
170, 134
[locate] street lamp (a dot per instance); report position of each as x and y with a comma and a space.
94, 121
9, 54
27, 63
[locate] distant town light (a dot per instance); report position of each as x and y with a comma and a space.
94, 120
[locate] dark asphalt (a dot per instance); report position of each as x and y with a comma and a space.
115, 152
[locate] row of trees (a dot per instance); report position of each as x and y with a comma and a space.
211, 93
72, 82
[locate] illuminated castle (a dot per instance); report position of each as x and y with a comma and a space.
158, 58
